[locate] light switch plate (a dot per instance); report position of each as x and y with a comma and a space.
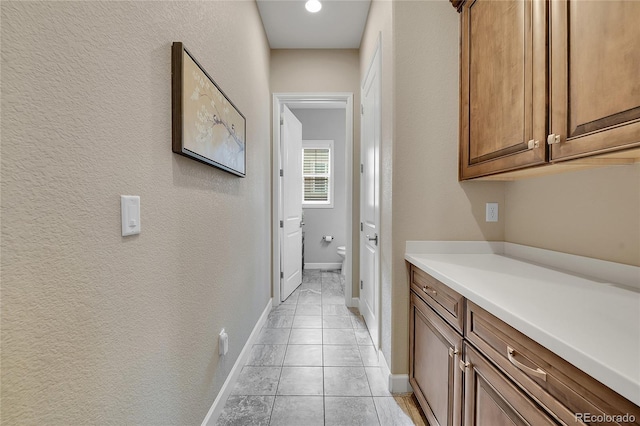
130, 210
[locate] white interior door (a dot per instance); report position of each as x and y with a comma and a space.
291, 190
369, 199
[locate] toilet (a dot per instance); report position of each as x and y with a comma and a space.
342, 251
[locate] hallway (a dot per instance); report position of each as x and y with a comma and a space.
314, 364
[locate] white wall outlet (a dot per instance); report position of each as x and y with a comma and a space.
223, 343
492, 212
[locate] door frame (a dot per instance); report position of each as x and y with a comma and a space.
320, 98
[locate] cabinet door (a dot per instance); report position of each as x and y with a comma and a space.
595, 88
503, 86
492, 400
433, 371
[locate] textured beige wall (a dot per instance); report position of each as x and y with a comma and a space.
325, 70
594, 213
428, 201
380, 26
97, 328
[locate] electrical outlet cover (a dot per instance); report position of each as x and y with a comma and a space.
492, 212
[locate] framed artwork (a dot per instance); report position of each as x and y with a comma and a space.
207, 126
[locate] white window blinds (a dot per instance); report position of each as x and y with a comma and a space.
316, 174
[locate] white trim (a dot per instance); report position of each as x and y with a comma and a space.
324, 266
355, 302
344, 98
232, 378
397, 383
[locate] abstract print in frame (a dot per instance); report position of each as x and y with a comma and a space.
207, 126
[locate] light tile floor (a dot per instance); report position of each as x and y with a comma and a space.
314, 364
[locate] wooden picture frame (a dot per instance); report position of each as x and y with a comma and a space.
207, 126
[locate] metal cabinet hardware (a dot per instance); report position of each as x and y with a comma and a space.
553, 139
539, 373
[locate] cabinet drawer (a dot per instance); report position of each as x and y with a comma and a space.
555, 384
448, 303
491, 399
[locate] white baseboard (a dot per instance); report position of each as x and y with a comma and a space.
355, 303
324, 266
232, 378
398, 383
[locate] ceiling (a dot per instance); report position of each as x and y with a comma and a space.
339, 25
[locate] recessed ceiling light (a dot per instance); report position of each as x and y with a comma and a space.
313, 6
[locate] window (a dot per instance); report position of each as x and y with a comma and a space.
317, 169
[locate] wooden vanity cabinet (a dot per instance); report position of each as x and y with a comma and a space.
488, 373
594, 76
555, 384
433, 365
502, 86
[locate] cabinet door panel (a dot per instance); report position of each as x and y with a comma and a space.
433, 373
595, 91
503, 86
499, 87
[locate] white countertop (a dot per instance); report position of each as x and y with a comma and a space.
592, 324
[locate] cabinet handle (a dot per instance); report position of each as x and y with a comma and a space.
464, 365
553, 139
539, 373
533, 144
430, 290
453, 352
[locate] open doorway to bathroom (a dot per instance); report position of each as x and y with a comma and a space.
327, 181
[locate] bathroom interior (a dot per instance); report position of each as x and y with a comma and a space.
325, 226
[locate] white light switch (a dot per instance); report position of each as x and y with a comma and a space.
223, 342
130, 208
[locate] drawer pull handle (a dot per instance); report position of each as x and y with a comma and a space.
430, 290
539, 373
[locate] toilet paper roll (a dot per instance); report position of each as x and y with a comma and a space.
328, 238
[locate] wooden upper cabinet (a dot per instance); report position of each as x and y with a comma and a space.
503, 86
595, 77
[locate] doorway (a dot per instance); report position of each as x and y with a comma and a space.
297, 101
